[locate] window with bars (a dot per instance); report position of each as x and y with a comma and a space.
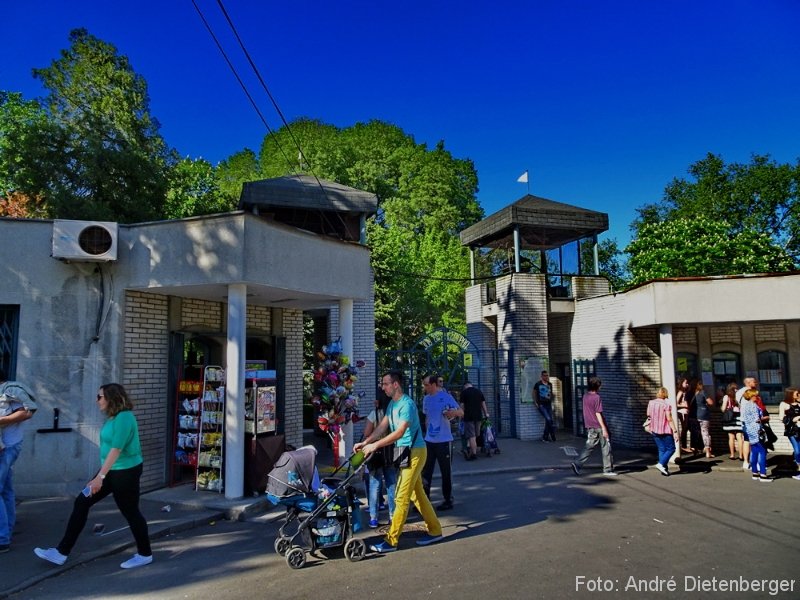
9, 323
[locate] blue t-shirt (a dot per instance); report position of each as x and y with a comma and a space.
438, 425
404, 409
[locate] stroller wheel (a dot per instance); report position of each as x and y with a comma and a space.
355, 549
282, 544
296, 558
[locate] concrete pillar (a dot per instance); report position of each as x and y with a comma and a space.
668, 373
516, 249
234, 391
346, 332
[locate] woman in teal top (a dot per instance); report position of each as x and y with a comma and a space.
119, 475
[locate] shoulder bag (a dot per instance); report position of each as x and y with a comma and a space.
401, 456
646, 425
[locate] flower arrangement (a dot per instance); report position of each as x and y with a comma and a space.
334, 398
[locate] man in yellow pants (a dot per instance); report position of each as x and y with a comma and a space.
402, 421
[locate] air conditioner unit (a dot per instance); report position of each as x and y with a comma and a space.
85, 241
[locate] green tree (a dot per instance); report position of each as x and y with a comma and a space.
426, 197
701, 245
193, 189
761, 197
18, 118
612, 264
233, 172
98, 154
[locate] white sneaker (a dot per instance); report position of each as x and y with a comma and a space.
610, 473
663, 469
137, 561
745, 466
796, 477
50, 554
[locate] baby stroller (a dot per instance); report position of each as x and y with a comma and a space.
319, 514
489, 439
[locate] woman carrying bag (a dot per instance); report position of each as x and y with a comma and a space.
662, 427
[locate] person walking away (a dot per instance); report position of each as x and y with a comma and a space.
473, 403
596, 430
703, 406
402, 421
662, 428
119, 474
791, 422
543, 400
380, 470
750, 383
734, 430
438, 407
19, 406
752, 419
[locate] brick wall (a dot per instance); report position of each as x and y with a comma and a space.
726, 335
626, 360
770, 332
293, 331
201, 313
145, 359
684, 336
522, 326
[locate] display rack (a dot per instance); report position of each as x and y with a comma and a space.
260, 405
211, 442
185, 434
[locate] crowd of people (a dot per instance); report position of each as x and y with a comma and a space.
745, 419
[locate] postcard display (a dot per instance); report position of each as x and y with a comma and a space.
259, 408
212, 428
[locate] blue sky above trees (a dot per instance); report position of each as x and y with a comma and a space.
604, 102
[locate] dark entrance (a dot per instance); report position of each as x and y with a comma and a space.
457, 359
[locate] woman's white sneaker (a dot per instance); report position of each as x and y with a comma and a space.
50, 554
137, 561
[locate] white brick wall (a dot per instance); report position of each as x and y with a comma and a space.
145, 358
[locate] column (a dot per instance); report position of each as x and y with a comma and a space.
668, 373
234, 391
516, 249
346, 332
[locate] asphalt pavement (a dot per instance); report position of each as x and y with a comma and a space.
41, 521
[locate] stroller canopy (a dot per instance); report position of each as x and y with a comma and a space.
293, 473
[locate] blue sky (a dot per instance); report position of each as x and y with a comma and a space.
604, 102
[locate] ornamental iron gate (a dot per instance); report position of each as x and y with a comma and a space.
457, 360
583, 370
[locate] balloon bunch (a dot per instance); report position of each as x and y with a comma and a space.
334, 397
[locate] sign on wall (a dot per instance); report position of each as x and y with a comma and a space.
530, 370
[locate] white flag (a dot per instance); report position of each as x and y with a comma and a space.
523, 178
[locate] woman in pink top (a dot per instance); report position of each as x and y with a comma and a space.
663, 428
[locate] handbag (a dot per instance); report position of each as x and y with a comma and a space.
646, 424
762, 436
728, 417
771, 437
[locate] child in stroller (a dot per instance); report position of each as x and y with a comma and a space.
320, 514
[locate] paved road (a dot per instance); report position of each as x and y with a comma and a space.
546, 534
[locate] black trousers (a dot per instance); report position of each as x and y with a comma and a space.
124, 485
438, 452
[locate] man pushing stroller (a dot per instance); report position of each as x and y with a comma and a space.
402, 421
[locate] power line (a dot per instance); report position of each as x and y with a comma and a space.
280, 113
241, 83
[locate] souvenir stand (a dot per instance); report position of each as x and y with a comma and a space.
211, 442
185, 433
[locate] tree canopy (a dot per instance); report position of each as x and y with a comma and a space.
90, 149
727, 219
426, 197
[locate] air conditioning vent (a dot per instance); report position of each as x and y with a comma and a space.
87, 241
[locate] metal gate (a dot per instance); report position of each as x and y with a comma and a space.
583, 370
456, 358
